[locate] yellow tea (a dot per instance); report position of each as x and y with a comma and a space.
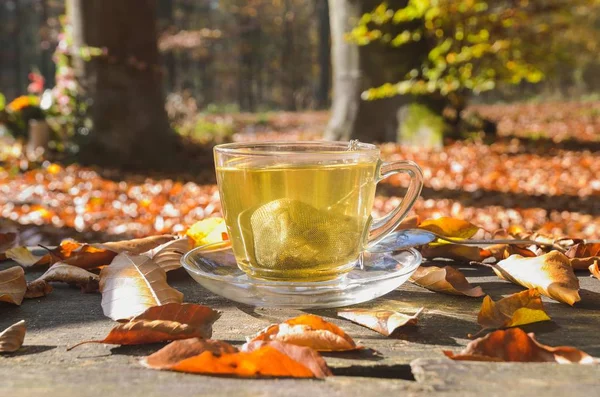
297, 221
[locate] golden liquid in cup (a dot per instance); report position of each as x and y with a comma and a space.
298, 222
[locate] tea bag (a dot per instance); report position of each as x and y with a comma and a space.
290, 234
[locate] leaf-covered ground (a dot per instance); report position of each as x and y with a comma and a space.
542, 172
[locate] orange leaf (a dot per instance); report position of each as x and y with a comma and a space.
450, 227
84, 256
132, 284
136, 246
37, 289
11, 339
163, 323
583, 255
551, 274
179, 350
515, 345
308, 330
446, 280
517, 309
503, 251
452, 251
304, 355
595, 270
12, 285
386, 322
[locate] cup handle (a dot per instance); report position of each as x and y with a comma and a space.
381, 227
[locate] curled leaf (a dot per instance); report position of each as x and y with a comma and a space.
12, 285
135, 246
595, 270
386, 322
37, 289
168, 255
302, 354
583, 255
208, 231
551, 274
11, 339
179, 350
446, 280
61, 272
308, 330
452, 251
515, 345
24, 257
132, 284
84, 256
172, 321
450, 227
503, 251
7, 241
517, 309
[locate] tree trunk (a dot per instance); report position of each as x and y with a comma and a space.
356, 69
324, 54
124, 90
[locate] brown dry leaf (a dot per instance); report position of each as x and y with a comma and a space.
517, 309
452, 251
24, 257
595, 270
551, 274
7, 241
219, 358
185, 348
11, 339
583, 255
503, 251
81, 255
163, 323
37, 289
12, 285
450, 227
446, 280
515, 345
168, 255
308, 330
308, 357
136, 246
61, 272
386, 322
132, 284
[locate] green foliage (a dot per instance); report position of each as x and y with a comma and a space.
473, 44
2, 101
207, 130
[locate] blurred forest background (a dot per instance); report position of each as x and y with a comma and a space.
498, 101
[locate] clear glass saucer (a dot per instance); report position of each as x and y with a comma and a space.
214, 267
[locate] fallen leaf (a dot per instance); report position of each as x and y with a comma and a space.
179, 350
24, 257
208, 231
163, 323
12, 285
168, 255
136, 246
37, 289
503, 251
595, 270
516, 346
11, 339
450, 227
551, 274
84, 256
219, 358
452, 251
308, 330
302, 354
132, 284
447, 280
517, 309
583, 255
7, 241
386, 322
61, 272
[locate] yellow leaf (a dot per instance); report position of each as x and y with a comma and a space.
208, 231
450, 227
517, 309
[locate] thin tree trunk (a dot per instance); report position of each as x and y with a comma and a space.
356, 69
130, 126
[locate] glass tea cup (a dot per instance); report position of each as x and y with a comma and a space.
301, 211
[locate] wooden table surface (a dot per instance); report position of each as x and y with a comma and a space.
412, 364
